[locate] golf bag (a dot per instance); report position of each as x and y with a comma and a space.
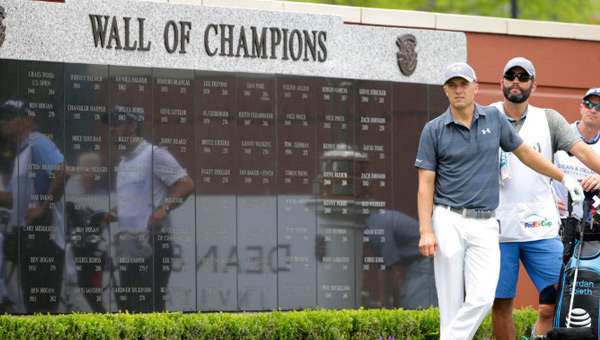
578, 298
89, 244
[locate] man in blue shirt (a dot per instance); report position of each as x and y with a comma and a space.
35, 195
458, 192
588, 130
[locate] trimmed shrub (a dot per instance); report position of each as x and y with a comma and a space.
320, 324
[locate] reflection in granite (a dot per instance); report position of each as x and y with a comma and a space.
296, 168
374, 178
37, 184
335, 186
257, 246
88, 268
129, 120
173, 134
195, 190
216, 176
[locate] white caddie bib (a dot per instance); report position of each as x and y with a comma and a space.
527, 211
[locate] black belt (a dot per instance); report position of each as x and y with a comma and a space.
470, 213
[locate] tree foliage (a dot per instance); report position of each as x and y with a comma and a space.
573, 11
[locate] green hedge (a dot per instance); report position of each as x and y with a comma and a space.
319, 324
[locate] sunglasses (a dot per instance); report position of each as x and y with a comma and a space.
7, 116
523, 77
591, 105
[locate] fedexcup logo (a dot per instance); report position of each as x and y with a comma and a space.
537, 221
2, 25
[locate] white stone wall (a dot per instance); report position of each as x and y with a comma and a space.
63, 32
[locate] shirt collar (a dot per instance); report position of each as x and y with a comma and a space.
143, 144
31, 136
449, 119
591, 141
522, 116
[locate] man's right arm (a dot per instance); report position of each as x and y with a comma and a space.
6, 199
540, 164
428, 243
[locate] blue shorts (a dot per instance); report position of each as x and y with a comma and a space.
541, 259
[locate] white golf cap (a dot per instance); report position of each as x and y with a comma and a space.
522, 63
460, 70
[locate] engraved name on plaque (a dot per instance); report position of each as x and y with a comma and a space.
257, 201
373, 197
40, 184
173, 204
87, 192
131, 150
216, 177
335, 183
296, 219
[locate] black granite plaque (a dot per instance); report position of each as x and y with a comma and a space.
335, 183
10, 297
413, 274
216, 177
257, 200
87, 193
130, 154
173, 158
40, 186
193, 190
9, 70
437, 100
296, 168
375, 249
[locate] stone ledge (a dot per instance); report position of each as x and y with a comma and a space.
254, 4
470, 23
187, 2
543, 29
587, 32
386, 17
349, 14
416, 19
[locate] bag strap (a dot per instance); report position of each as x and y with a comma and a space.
570, 205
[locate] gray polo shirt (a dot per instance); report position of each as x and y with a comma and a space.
562, 135
465, 160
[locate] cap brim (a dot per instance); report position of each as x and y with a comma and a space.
526, 71
112, 119
469, 79
522, 65
8, 109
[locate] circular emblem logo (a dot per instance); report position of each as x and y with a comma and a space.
2, 25
407, 57
579, 318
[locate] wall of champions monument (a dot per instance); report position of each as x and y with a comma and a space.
298, 132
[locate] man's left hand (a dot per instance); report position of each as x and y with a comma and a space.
574, 188
562, 207
157, 217
591, 183
35, 214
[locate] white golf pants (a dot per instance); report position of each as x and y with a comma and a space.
467, 265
